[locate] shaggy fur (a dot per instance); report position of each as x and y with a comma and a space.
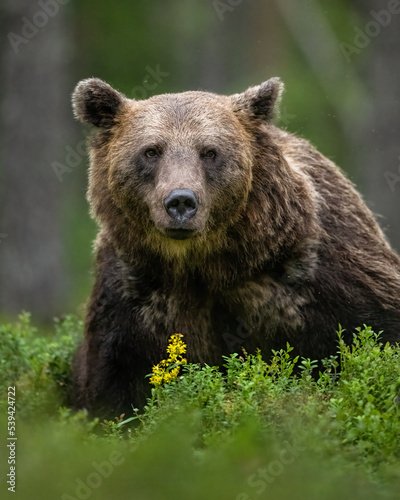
281, 249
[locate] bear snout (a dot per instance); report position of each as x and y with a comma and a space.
181, 205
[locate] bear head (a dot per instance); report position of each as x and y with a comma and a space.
173, 174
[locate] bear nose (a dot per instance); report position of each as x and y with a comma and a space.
181, 204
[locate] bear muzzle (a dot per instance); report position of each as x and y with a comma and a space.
181, 205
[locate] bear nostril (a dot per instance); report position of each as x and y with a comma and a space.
181, 204
190, 203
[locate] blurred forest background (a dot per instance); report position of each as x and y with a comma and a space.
340, 62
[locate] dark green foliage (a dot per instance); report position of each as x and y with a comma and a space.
39, 367
357, 412
256, 430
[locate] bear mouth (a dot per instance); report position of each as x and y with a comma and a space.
180, 233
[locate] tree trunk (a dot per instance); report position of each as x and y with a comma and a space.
34, 118
379, 145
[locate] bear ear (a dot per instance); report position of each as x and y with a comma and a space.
261, 101
96, 102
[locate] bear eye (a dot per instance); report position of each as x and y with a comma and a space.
211, 154
151, 153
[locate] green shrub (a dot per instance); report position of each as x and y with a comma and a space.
356, 411
39, 367
365, 405
212, 433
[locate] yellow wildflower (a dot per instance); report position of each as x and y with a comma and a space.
168, 369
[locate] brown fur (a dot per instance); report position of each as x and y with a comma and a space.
282, 247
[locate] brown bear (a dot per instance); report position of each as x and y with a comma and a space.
218, 225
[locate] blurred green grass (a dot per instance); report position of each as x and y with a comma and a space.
53, 461
261, 430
